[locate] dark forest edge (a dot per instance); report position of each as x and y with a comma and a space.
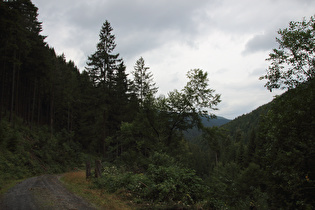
54, 117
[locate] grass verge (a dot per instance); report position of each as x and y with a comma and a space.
76, 183
7, 184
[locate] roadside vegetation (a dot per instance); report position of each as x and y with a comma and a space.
76, 182
27, 152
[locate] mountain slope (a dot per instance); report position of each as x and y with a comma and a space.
245, 123
194, 132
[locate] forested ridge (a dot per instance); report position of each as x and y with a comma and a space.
54, 117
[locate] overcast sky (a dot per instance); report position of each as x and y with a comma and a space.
229, 39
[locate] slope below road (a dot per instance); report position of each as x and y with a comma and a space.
42, 192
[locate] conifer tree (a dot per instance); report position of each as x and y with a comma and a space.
104, 68
20, 39
103, 62
120, 97
143, 85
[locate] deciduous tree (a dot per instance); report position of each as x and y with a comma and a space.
182, 110
294, 61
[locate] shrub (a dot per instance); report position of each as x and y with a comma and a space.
240, 189
161, 183
114, 179
176, 184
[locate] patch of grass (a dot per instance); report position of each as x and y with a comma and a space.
7, 184
76, 183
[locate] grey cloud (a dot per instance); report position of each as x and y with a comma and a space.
257, 72
139, 25
261, 42
149, 25
247, 17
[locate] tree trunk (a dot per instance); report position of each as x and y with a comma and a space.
17, 108
104, 134
88, 170
52, 114
13, 89
98, 168
33, 105
68, 118
38, 107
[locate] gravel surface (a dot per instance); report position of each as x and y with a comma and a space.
42, 192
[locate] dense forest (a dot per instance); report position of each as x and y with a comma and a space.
54, 117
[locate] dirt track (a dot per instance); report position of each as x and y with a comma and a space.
42, 192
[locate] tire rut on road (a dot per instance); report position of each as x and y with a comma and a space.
42, 192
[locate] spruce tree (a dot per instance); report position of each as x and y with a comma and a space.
103, 62
103, 68
120, 97
143, 85
20, 39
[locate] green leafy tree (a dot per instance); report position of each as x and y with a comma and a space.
160, 123
200, 96
294, 61
183, 110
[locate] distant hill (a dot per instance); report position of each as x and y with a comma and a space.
241, 125
219, 121
194, 132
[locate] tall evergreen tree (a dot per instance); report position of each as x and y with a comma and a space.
143, 84
103, 62
20, 40
120, 97
104, 69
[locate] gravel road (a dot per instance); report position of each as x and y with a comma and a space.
42, 192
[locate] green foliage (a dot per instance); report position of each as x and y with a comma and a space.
288, 136
25, 152
293, 62
143, 85
195, 98
164, 181
245, 124
198, 93
103, 62
224, 182
110, 100
275, 168
158, 123
182, 110
134, 142
175, 184
237, 188
114, 179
